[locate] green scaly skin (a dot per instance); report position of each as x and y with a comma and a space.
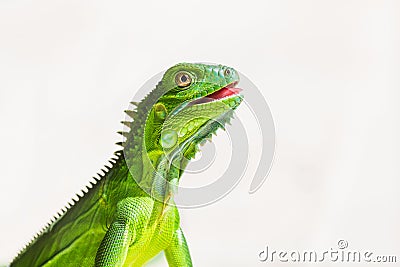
128, 215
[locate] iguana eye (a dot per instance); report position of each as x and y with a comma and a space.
227, 72
183, 79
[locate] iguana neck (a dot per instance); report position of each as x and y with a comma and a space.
142, 159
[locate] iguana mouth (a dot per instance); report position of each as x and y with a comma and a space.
224, 92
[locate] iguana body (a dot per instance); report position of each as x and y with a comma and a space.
128, 216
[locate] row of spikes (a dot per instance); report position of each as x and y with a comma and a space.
95, 179
133, 115
75, 199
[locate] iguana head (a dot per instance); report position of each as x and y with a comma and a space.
198, 99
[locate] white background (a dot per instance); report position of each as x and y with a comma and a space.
328, 69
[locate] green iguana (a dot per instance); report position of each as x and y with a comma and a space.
128, 215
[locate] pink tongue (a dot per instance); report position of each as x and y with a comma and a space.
224, 92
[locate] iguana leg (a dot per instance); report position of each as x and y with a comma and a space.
133, 214
177, 253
